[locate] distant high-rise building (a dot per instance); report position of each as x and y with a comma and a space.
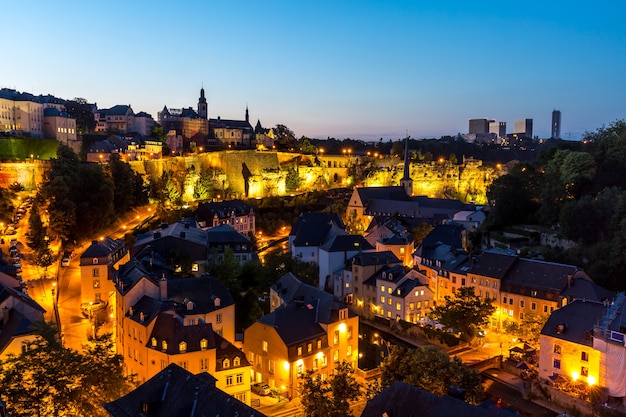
499, 128
556, 124
479, 125
524, 127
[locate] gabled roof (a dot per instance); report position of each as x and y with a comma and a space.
102, 248
177, 392
492, 264
583, 288
375, 258
225, 233
118, 110
531, 273
202, 291
404, 400
180, 230
574, 322
395, 193
344, 243
221, 209
171, 329
311, 228
227, 123
450, 235
295, 323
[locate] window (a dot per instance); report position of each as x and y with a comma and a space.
229, 380
182, 347
336, 356
533, 306
236, 361
382, 299
521, 315
218, 318
521, 303
411, 306
382, 288
183, 364
510, 301
398, 306
204, 364
389, 290
336, 337
241, 396
315, 364
584, 371
309, 347
153, 341
239, 378
204, 344
226, 363
319, 343
96, 283
349, 352
389, 300
324, 360
265, 346
299, 350
95, 272
349, 332
504, 300
584, 356
557, 349
300, 369
271, 365
164, 345
556, 363
545, 308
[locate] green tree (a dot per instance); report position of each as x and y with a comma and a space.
35, 237
465, 312
512, 198
305, 146
47, 379
292, 180
284, 138
329, 397
430, 368
225, 268
128, 188
527, 329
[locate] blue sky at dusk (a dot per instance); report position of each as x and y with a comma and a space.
359, 69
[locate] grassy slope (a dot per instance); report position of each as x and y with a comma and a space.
22, 148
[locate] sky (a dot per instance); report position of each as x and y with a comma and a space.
358, 69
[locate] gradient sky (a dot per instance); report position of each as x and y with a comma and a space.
360, 69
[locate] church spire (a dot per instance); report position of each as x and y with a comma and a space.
202, 106
406, 180
247, 115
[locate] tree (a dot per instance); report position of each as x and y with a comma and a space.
329, 397
528, 329
225, 268
128, 188
292, 179
35, 238
284, 138
466, 312
430, 368
47, 379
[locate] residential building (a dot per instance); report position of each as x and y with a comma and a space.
404, 400
555, 132
524, 128
311, 231
469, 219
334, 253
128, 147
118, 119
143, 123
235, 213
264, 137
175, 391
315, 332
365, 267
223, 237
402, 245
59, 125
21, 114
97, 271
402, 294
17, 313
192, 126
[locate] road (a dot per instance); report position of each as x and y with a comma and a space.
511, 397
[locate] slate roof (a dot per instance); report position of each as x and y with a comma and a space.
583, 288
343, 243
442, 234
228, 123
181, 230
171, 328
223, 210
375, 258
202, 291
492, 264
54, 112
295, 324
225, 233
311, 228
395, 193
404, 400
118, 110
578, 317
530, 273
102, 248
177, 392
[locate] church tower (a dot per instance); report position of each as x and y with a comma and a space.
247, 115
406, 180
202, 106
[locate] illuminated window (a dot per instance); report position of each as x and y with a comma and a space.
204, 344
336, 337
349, 352
226, 363
398, 306
153, 341
236, 361
265, 346
557, 349
299, 350
349, 332
319, 343
164, 345
309, 347
182, 347
336, 356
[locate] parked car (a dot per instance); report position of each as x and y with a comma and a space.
261, 389
65, 262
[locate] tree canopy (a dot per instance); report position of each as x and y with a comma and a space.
329, 397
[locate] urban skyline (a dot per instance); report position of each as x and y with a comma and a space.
362, 70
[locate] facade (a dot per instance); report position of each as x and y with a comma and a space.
224, 236
402, 245
119, 119
143, 123
264, 138
21, 113
524, 128
311, 231
334, 253
556, 125
498, 128
402, 294
190, 125
97, 270
175, 391
365, 267
59, 125
311, 332
235, 213
232, 133
479, 126
17, 312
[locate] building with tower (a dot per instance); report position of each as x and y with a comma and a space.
556, 124
524, 128
498, 128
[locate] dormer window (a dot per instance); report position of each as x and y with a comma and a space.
141, 316
226, 364
182, 347
94, 261
236, 361
153, 341
204, 344
216, 301
189, 305
164, 346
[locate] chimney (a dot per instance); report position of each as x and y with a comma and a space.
163, 288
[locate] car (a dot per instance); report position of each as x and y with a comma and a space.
65, 262
261, 389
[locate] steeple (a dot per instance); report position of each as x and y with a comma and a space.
247, 115
202, 106
406, 180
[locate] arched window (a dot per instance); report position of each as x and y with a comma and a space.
154, 342
182, 347
236, 361
204, 344
226, 364
164, 345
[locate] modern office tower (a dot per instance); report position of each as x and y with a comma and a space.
479, 125
524, 127
556, 124
499, 128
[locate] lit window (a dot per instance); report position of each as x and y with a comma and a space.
319, 343
557, 349
336, 337
182, 347
164, 345
265, 346
226, 363
153, 341
299, 350
204, 344
236, 361
309, 347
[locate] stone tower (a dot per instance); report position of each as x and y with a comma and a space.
202, 106
406, 180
